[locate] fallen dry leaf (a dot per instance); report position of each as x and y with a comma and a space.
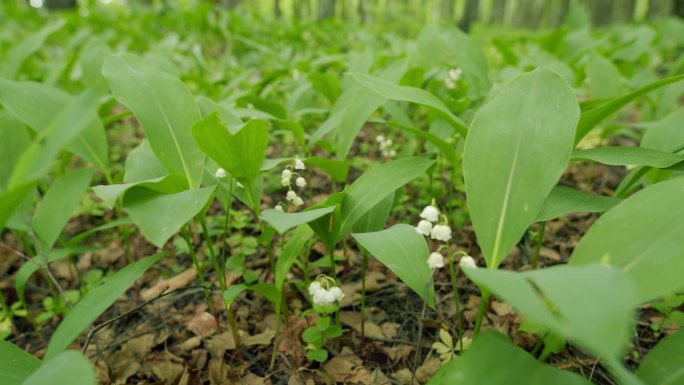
353, 319
177, 282
263, 338
203, 324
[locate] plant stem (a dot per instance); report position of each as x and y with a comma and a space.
333, 274
457, 299
212, 252
537, 250
187, 236
416, 358
276, 340
484, 302
364, 266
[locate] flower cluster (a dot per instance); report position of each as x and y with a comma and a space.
386, 146
430, 225
324, 296
290, 172
453, 76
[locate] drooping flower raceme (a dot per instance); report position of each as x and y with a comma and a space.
441, 233
324, 297
430, 213
435, 260
424, 227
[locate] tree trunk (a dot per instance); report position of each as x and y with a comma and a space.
276, 9
447, 10
623, 11
601, 11
498, 12
678, 8
326, 9
470, 15
659, 8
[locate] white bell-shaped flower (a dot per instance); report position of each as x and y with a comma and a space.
441, 233
298, 201
299, 165
424, 227
435, 260
301, 182
467, 261
220, 173
291, 196
431, 213
279, 207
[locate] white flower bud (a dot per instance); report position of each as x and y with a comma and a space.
431, 213
323, 296
314, 287
435, 261
279, 207
441, 233
455, 74
220, 173
467, 261
286, 174
298, 201
379, 138
424, 227
449, 83
301, 182
299, 165
285, 182
291, 196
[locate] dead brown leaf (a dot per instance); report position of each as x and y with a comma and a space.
177, 282
353, 319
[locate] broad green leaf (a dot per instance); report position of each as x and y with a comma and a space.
231, 293
284, 221
517, 148
327, 227
557, 298
447, 149
641, 236
337, 169
11, 199
168, 184
15, 364
492, 359
410, 94
271, 293
95, 303
20, 52
67, 368
352, 110
65, 126
142, 164
60, 201
15, 140
208, 106
593, 117
666, 134
160, 215
38, 105
405, 252
241, 153
564, 200
375, 218
165, 109
604, 77
375, 185
328, 85
291, 251
620, 156
663, 364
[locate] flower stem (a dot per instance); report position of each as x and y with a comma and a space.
537, 250
484, 302
457, 299
364, 266
416, 358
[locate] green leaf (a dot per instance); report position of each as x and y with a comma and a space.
322, 323
38, 105
318, 355
15, 141
11, 199
493, 360
231, 293
566, 200
60, 201
240, 153
292, 249
285, 221
641, 236
95, 303
143, 165
352, 110
312, 334
15, 364
666, 134
67, 123
622, 156
410, 94
663, 364
159, 215
168, 184
165, 109
375, 218
405, 252
557, 298
517, 148
326, 84
68, 368
375, 185
593, 117
337, 169
447, 149
271, 293
20, 52
604, 77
